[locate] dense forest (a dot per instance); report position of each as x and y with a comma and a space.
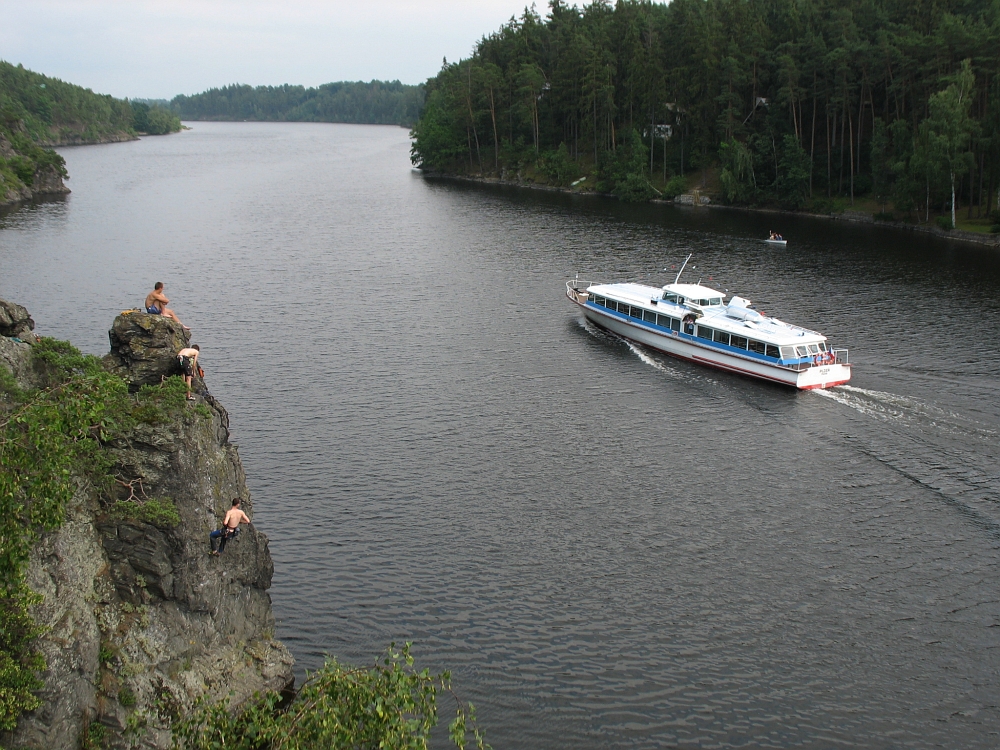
38, 111
819, 104
373, 103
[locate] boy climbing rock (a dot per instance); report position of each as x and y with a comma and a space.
188, 359
230, 525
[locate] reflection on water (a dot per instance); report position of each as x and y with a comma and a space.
608, 547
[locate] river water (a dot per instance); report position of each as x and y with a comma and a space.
607, 547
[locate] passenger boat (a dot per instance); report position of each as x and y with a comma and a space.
695, 323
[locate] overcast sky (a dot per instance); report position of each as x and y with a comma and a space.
159, 48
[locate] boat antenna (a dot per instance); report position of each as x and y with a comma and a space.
682, 267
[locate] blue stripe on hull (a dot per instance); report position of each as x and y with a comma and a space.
693, 341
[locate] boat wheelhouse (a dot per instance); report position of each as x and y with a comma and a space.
695, 322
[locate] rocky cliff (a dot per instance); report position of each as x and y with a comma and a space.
141, 621
22, 179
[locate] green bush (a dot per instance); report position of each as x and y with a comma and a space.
944, 222
389, 705
558, 166
159, 512
883, 216
19, 663
676, 185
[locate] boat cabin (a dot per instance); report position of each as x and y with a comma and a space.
701, 314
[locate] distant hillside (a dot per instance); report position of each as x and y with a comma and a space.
38, 111
374, 103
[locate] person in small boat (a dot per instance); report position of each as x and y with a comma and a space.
773, 235
156, 304
230, 527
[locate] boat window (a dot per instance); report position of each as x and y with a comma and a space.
756, 346
738, 341
802, 351
612, 304
788, 352
722, 337
669, 297
600, 301
705, 333
772, 351
649, 317
813, 349
822, 346
667, 322
715, 301
636, 312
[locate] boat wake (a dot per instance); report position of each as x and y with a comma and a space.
951, 454
893, 407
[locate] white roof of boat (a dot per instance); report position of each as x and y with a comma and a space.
693, 291
765, 328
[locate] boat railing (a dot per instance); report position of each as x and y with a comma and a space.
576, 290
832, 357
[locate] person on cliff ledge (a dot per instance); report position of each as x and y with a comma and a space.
156, 304
230, 527
188, 359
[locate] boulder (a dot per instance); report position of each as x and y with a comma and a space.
15, 322
144, 348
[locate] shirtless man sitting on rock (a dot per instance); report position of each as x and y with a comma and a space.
156, 304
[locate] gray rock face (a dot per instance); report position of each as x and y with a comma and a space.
48, 181
141, 620
144, 348
15, 322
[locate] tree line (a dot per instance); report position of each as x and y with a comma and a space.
373, 103
52, 112
794, 103
37, 111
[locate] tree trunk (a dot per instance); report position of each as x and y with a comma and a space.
861, 121
496, 139
652, 143
840, 176
812, 143
851, 141
972, 185
952, 200
829, 163
982, 168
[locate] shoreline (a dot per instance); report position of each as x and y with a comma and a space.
857, 217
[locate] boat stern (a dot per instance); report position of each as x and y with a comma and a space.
823, 376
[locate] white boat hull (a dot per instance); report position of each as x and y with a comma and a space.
689, 348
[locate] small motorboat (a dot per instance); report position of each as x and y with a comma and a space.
779, 243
